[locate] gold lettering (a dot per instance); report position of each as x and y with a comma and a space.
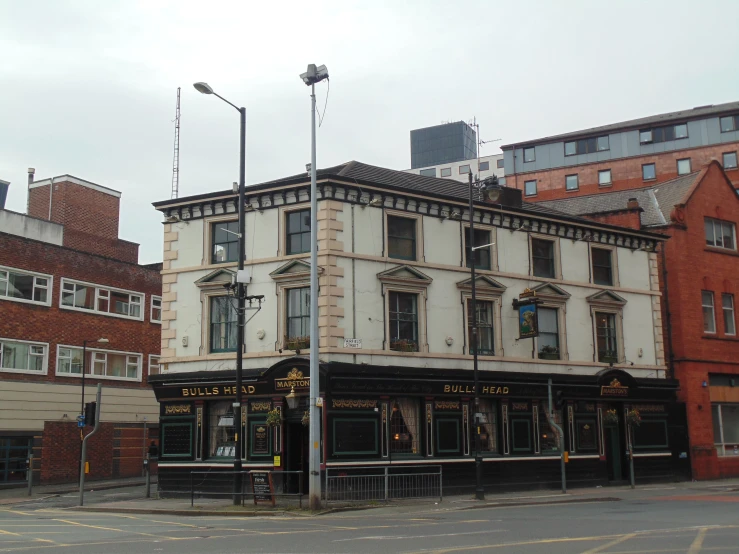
185, 392
446, 388
215, 390
505, 390
485, 390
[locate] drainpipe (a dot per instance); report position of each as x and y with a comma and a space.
51, 193
668, 321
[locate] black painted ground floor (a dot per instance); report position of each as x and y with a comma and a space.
401, 417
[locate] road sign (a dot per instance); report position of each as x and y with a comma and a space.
81, 423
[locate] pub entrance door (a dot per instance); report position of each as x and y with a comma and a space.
296, 455
615, 450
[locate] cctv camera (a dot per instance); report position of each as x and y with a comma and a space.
172, 219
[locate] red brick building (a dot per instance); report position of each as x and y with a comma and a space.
66, 278
699, 277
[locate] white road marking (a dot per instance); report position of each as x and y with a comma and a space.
404, 537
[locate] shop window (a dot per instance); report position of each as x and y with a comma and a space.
489, 426
521, 428
404, 427
223, 324
355, 436
586, 434
225, 237
720, 234
401, 237
297, 232
543, 258
403, 321
23, 286
607, 339
650, 434
485, 327
13, 455
602, 266
709, 314
23, 356
726, 428
448, 434
176, 440
548, 340
221, 430
483, 237
547, 436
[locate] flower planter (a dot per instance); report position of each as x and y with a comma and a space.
297, 343
548, 356
403, 346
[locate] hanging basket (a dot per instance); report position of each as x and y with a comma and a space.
610, 417
633, 418
274, 418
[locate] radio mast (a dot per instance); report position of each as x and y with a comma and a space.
176, 158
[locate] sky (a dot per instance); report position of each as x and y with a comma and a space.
88, 88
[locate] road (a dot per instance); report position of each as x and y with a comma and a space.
663, 520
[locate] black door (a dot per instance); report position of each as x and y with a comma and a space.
296, 457
614, 454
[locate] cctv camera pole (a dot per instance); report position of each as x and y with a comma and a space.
479, 488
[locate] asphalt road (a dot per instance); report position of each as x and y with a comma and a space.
663, 521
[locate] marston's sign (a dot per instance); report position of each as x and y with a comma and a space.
294, 379
614, 389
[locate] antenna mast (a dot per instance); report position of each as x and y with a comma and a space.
176, 158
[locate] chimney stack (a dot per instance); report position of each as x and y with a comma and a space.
632, 204
31, 174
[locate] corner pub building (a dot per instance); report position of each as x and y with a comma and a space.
396, 379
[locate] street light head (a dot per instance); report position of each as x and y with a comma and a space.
205, 88
314, 74
103, 341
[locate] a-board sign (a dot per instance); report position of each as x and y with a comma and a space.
261, 484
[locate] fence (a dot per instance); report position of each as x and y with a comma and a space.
364, 483
285, 484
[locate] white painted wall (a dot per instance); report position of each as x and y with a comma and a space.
31, 228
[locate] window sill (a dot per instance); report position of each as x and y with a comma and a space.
725, 251
730, 338
24, 371
605, 185
101, 377
24, 301
104, 314
573, 190
649, 180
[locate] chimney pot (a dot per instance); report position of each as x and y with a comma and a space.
632, 204
31, 173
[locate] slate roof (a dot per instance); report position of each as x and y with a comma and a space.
657, 201
651, 121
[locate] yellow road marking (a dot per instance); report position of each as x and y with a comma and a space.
115, 529
608, 545
698, 542
10, 533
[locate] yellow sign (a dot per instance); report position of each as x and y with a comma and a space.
277, 461
177, 409
615, 389
294, 379
216, 391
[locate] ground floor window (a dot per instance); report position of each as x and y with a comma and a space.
585, 428
404, 427
13, 455
221, 430
176, 439
488, 427
650, 433
547, 436
355, 435
521, 428
726, 428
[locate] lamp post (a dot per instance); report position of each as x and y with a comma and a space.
312, 76
207, 89
84, 370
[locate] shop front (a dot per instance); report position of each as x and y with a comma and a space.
380, 415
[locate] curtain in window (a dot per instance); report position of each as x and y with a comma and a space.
488, 410
408, 408
221, 429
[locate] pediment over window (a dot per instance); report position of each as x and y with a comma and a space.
551, 291
404, 274
293, 270
483, 283
216, 278
606, 297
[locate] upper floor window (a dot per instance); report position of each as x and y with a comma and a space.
481, 256
587, 146
297, 232
602, 266
500, 163
729, 123
446, 171
298, 314
223, 324
529, 188
548, 341
729, 160
604, 177
156, 309
606, 336
542, 258
431, 172
727, 306
529, 154
77, 295
401, 237
648, 172
709, 313
100, 363
23, 356
464, 169
485, 327
720, 234
663, 134
403, 312
572, 182
154, 367
225, 242
683, 166
24, 286
484, 166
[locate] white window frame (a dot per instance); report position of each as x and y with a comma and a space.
560, 306
100, 356
158, 365
44, 363
724, 309
610, 178
719, 442
712, 306
151, 309
721, 223
525, 191
577, 182
690, 166
102, 292
723, 160
4, 284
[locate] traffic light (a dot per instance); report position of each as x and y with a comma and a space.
90, 409
559, 402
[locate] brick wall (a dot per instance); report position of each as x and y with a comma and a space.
624, 218
626, 173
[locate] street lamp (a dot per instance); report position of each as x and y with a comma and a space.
205, 88
312, 76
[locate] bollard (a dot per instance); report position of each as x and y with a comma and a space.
29, 474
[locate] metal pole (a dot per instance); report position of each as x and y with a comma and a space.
479, 488
561, 439
84, 445
29, 475
314, 457
82, 400
631, 456
148, 475
241, 314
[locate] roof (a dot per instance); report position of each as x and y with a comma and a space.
656, 201
652, 120
66, 178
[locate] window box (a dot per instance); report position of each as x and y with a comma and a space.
549, 353
297, 343
404, 345
607, 357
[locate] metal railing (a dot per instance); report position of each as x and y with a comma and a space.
286, 484
367, 483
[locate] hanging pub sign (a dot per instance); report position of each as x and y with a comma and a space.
528, 319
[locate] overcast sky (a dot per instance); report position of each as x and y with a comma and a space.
89, 88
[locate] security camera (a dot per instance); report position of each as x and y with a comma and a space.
172, 218
307, 168
375, 202
235, 187
456, 214
314, 74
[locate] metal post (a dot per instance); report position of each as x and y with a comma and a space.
314, 456
387, 485
82, 400
561, 439
84, 445
29, 474
631, 456
479, 488
241, 314
147, 469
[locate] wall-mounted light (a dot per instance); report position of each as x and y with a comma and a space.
705, 384
292, 399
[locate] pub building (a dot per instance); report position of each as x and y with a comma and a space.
404, 416
395, 318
